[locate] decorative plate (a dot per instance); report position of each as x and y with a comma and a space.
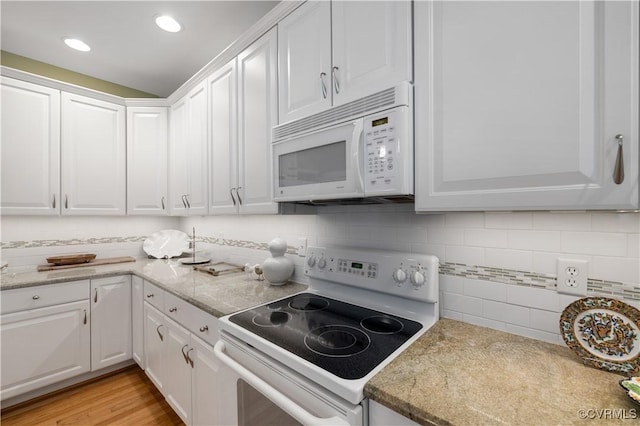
604, 332
165, 244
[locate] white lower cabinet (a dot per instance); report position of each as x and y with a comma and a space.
137, 320
379, 415
111, 321
180, 364
57, 347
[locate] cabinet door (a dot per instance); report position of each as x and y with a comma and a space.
111, 325
178, 158
154, 339
304, 45
178, 370
197, 150
257, 114
203, 389
520, 109
44, 346
29, 148
137, 320
93, 157
223, 114
147, 160
372, 44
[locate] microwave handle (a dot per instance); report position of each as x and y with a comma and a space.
293, 409
358, 152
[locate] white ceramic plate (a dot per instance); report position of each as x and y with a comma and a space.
166, 244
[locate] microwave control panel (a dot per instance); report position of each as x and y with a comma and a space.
385, 135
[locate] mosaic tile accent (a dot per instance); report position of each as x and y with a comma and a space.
500, 275
532, 279
71, 242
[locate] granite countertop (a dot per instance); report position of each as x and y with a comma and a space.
462, 374
218, 296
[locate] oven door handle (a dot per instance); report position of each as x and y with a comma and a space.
286, 404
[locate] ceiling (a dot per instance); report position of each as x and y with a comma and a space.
127, 47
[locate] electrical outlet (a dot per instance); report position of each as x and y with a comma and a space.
572, 276
302, 247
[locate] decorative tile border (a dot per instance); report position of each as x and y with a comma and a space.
532, 279
500, 275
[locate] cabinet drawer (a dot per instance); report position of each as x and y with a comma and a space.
154, 295
44, 295
194, 319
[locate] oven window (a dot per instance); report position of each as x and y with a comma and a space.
256, 409
326, 163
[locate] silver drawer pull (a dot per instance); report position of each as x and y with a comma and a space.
150, 295
173, 309
36, 297
204, 328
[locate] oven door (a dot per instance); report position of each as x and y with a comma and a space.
322, 165
253, 389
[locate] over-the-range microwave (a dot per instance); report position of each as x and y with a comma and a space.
360, 152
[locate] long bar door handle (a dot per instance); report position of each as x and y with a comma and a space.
618, 169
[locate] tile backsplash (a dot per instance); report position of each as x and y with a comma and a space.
497, 269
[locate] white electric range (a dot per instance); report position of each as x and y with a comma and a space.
305, 359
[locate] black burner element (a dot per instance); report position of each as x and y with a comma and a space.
273, 319
382, 324
344, 339
337, 340
308, 303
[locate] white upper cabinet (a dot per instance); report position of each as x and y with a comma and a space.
188, 154
257, 114
304, 46
519, 104
223, 116
331, 53
371, 47
147, 135
93, 157
30, 148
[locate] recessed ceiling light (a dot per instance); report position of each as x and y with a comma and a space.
167, 23
74, 43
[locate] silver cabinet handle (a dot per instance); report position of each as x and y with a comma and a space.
36, 297
323, 86
162, 201
618, 170
85, 317
184, 355
186, 197
160, 334
95, 296
204, 328
184, 203
232, 197
238, 195
66, 201
336, 83
189, 359
150, 295
54, 201
173, 309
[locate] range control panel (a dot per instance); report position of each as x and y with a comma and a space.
402, 274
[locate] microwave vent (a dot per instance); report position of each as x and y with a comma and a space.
378, 101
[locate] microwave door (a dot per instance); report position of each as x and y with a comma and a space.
321, 165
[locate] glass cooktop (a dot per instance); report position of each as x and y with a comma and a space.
343, 339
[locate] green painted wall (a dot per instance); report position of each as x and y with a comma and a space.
40, 68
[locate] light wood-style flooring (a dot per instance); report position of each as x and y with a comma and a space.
126, 397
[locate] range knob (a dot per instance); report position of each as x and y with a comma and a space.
417, 279
322, 263
311, 261
399, 276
